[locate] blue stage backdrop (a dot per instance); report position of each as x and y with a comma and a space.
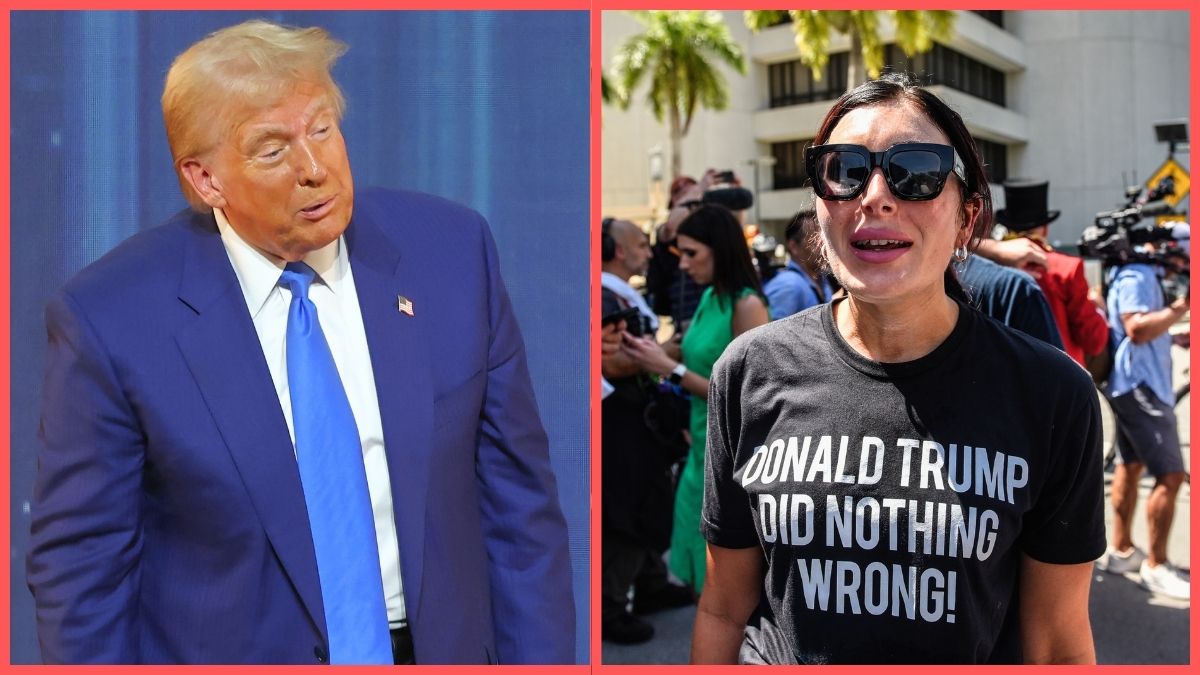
485, 108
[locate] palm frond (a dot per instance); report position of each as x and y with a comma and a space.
866, 23
759, 19
812, 30
916, 32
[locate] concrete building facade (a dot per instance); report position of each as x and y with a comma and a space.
1071, 96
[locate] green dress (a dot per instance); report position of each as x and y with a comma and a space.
710, 333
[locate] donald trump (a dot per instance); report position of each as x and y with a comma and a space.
293, 424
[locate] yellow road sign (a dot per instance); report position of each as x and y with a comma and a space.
1174, 218
1182, 180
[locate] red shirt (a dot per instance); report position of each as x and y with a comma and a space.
1082, 325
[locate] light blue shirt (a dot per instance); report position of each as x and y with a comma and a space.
790, 291
1135, 288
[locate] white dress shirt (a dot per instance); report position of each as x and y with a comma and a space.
334, 295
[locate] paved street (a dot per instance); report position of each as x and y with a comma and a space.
1129, 624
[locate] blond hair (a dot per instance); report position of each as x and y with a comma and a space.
250, 65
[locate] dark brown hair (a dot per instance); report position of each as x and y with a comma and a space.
717, 227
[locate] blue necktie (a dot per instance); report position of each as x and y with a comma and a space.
335, 487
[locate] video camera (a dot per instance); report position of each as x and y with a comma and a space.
1115, 235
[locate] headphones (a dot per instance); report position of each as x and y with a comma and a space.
608, 245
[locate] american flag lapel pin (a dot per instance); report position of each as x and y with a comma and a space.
404, 305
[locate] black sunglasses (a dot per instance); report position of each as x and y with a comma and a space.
913, 171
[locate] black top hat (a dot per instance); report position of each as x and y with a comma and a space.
1025, 205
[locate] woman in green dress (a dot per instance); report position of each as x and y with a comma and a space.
713, 251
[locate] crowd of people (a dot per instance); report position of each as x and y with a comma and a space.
865, 462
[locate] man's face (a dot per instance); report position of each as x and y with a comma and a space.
687, 195
282, 176
634, 251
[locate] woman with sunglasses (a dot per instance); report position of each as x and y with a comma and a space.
894, 477
713, 252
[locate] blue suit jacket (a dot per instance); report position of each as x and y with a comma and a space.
169, 523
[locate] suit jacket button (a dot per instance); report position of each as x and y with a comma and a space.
322, 656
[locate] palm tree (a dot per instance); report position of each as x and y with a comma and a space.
677, 53
916, 31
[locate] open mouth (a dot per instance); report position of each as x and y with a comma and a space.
315, 207
880, 244
318, 210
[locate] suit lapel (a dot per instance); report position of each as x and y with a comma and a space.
403, 381
222, 351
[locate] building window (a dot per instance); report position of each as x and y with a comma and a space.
789, 170
994, 16
995, 159
792, 83
944, 66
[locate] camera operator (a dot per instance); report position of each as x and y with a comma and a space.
1142, 399
637, 452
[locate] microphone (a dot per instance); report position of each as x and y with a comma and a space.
732, 197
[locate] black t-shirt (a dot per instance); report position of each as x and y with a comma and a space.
893, 502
